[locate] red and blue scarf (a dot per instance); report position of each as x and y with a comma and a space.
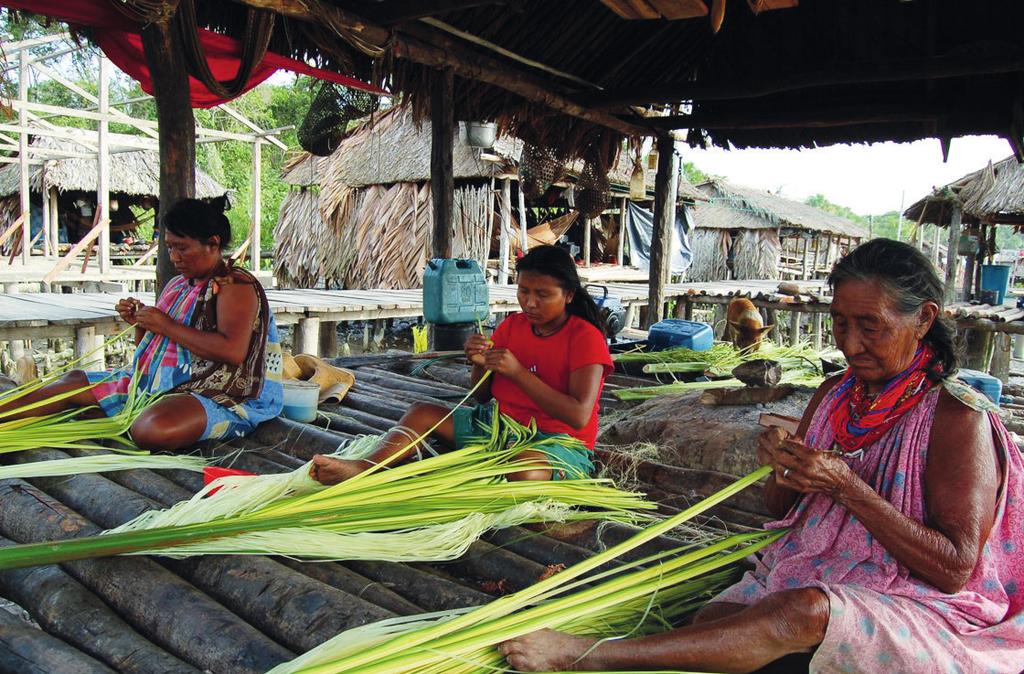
858, 419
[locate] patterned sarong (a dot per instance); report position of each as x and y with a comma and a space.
161, 365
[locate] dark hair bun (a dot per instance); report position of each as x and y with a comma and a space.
199, 220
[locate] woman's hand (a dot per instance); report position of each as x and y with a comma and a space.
127, 309
153, 320
476, 346
806, 470
546, 651
503, 362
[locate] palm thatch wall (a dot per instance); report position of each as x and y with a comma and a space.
710, 251
377, 236
756, 254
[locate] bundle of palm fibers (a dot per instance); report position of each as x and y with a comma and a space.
429, 510
639, 598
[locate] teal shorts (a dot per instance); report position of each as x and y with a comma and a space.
568, 461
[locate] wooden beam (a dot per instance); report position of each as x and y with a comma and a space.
945, 67
665, 189
440, 51
86, 242
442, 171
162, 47
796, 119
398, 11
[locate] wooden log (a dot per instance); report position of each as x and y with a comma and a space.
419, 586
280, 458
162, 606
407, 397
365, 418
68, 610
486, 562
415, 384
536, 546
349, 581
297, 439
187, 479
345, 423
368, 403
290, 607
27, 650
454, 374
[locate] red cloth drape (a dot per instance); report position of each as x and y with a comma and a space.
119, 39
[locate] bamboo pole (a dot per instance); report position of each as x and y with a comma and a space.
506, 227
255, 230
103, 165
619, 254
524, 243
665, 189
588, 225
26, 205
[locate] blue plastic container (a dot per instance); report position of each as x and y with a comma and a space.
984, 383
454, 291
674, 332
996, 277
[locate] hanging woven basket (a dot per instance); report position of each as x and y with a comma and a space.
329, 115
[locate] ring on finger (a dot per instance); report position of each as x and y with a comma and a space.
785, 473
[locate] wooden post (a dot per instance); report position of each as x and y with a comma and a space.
306, 336
817, 255
794, 328
588, 224
51, 205
976, 351
619, 254
816, 330
524, 243
506, 227
718, 320
89, 348
164, 55
665, 188
103, 166
952, 256
1002, 349
828, 251
49, 243
329, 339
26, 204
442, 174
15, 347
255, 230
806, 254
935, 246
772, 317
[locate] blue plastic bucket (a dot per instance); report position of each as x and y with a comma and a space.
996, 277
300, 400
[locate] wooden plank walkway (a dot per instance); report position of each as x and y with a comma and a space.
44, 315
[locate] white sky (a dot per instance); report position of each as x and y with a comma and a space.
867, 178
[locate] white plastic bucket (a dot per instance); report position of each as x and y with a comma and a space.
300, 400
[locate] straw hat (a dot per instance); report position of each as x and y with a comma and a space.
334, 382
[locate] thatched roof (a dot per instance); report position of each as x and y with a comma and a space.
994, 194
391, 148
738, 207
135, 172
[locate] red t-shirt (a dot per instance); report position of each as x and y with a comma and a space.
577, 344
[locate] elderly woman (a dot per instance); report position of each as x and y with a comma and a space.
210, 346
904, 495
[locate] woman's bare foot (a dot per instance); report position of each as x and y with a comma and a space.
547, 651
330, 470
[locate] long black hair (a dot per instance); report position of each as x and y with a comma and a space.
558, 264
910, 280
199, 220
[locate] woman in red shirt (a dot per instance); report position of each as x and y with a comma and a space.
549, 363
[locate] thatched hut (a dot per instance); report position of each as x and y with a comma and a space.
992, 195
747, 233
361, 217
69, 181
